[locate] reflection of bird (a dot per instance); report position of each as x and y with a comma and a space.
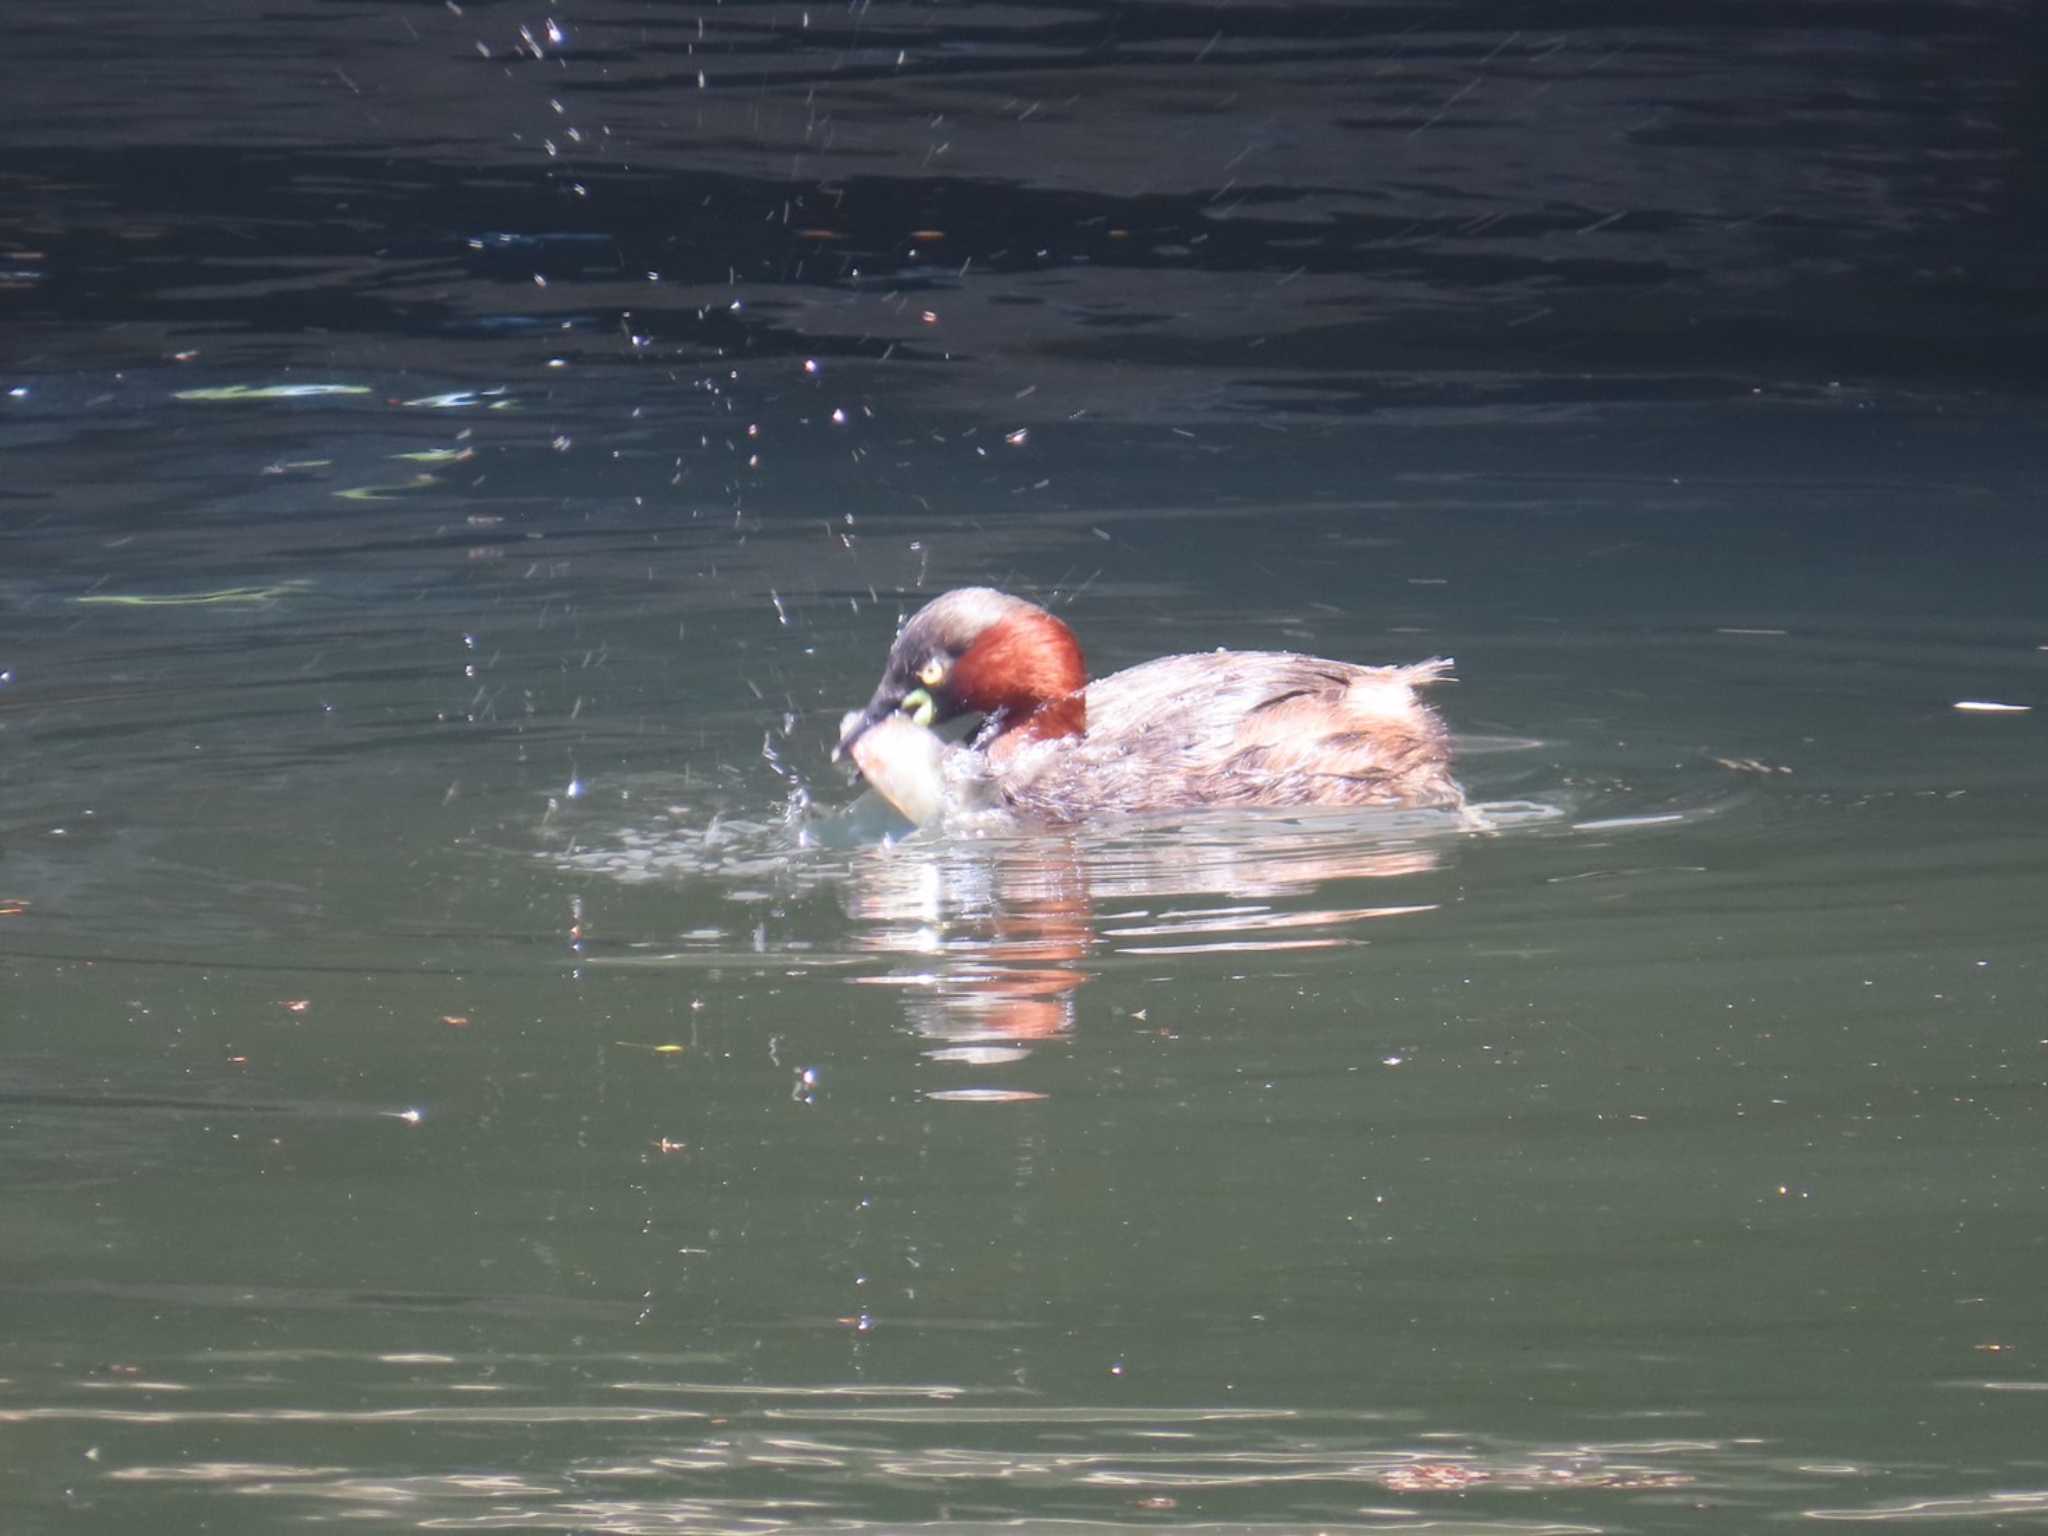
1223, 728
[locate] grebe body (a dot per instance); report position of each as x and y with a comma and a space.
1215, 728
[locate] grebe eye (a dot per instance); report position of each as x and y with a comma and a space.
933, 672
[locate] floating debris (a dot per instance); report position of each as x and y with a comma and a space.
462, 400
270, 391
1616, 823
418, 482
1748, 765
191, 599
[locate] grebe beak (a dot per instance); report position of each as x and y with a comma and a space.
917, 704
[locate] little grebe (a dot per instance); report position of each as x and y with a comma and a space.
1222, 728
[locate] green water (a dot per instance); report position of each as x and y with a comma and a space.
456, 1078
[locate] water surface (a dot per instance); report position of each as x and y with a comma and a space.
472, 1062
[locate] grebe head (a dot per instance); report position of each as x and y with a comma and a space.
980, 651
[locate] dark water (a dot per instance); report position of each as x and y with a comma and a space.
471, 1063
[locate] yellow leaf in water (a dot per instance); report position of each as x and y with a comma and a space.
386, 492
270, 391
